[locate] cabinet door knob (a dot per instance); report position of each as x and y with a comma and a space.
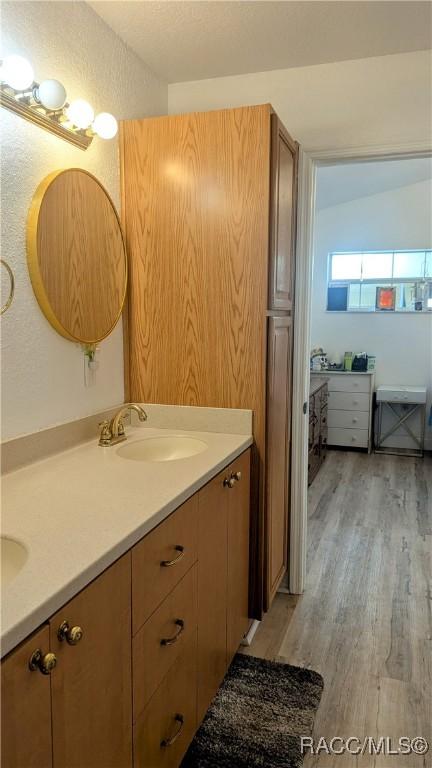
72, 635
44, 662
179, 719
171, 640
169, 563
236, 475
229, 482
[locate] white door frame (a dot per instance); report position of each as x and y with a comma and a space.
309, 161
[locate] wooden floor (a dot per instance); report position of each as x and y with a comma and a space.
365, 619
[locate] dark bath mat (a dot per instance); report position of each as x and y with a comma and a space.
257, 717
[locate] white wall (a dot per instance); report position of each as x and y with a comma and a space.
380, 100
42, 373
402, 343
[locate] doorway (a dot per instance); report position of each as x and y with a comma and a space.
310, 163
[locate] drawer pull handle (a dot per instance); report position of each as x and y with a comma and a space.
72, 635
44, 662
179, 719
169, 563
171, 640
229, 482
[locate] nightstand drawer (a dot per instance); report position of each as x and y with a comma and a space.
348, 419
348, 401
355, 438
349, 383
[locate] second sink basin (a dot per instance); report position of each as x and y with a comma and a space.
13, 557
169, 448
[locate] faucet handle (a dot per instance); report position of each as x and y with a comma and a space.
105, 435
120, 429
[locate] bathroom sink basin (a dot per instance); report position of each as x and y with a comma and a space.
169, 448
13, 557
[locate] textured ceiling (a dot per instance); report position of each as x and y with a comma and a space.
344, 182
186, 40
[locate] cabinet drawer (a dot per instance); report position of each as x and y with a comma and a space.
348, 401
161, 559
348, 419
349, 437
159, 643
167, 725
349, 383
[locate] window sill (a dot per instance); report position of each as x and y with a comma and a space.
427, 312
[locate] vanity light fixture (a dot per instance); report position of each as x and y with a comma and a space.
45, 105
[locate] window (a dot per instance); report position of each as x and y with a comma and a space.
355, 280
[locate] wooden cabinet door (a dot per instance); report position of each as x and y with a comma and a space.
238, 554
26, 708
278, 450
91, 687
213, 501
283, 214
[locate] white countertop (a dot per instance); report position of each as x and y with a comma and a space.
78, 511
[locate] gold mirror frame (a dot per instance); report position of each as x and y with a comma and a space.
9, 299
34, 266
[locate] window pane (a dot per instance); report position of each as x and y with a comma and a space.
346, 266
377, 265
409, 264
405, 296
428, 263
354, 296
368, 296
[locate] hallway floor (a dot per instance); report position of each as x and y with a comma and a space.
365, 620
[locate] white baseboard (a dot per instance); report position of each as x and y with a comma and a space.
247, 639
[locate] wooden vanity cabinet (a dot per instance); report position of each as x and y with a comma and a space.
223, 565
142, 650
91, 685
26, 707
81, 713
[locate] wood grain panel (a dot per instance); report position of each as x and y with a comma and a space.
152, 659
26, 708
76, 255
176, 696
278, 443
91, 692
196, 217
284, 162
238, 556
213, 507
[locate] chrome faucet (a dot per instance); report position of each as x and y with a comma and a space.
113, 432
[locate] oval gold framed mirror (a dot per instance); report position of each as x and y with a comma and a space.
76, 255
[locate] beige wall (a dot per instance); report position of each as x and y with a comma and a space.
42, 373
382, 100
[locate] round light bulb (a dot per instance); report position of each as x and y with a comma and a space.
17, 72
105, 125
80, 113
51, 94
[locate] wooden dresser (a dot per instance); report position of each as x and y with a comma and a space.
318, 398
349, 408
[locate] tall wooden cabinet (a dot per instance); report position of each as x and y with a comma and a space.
209, 213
